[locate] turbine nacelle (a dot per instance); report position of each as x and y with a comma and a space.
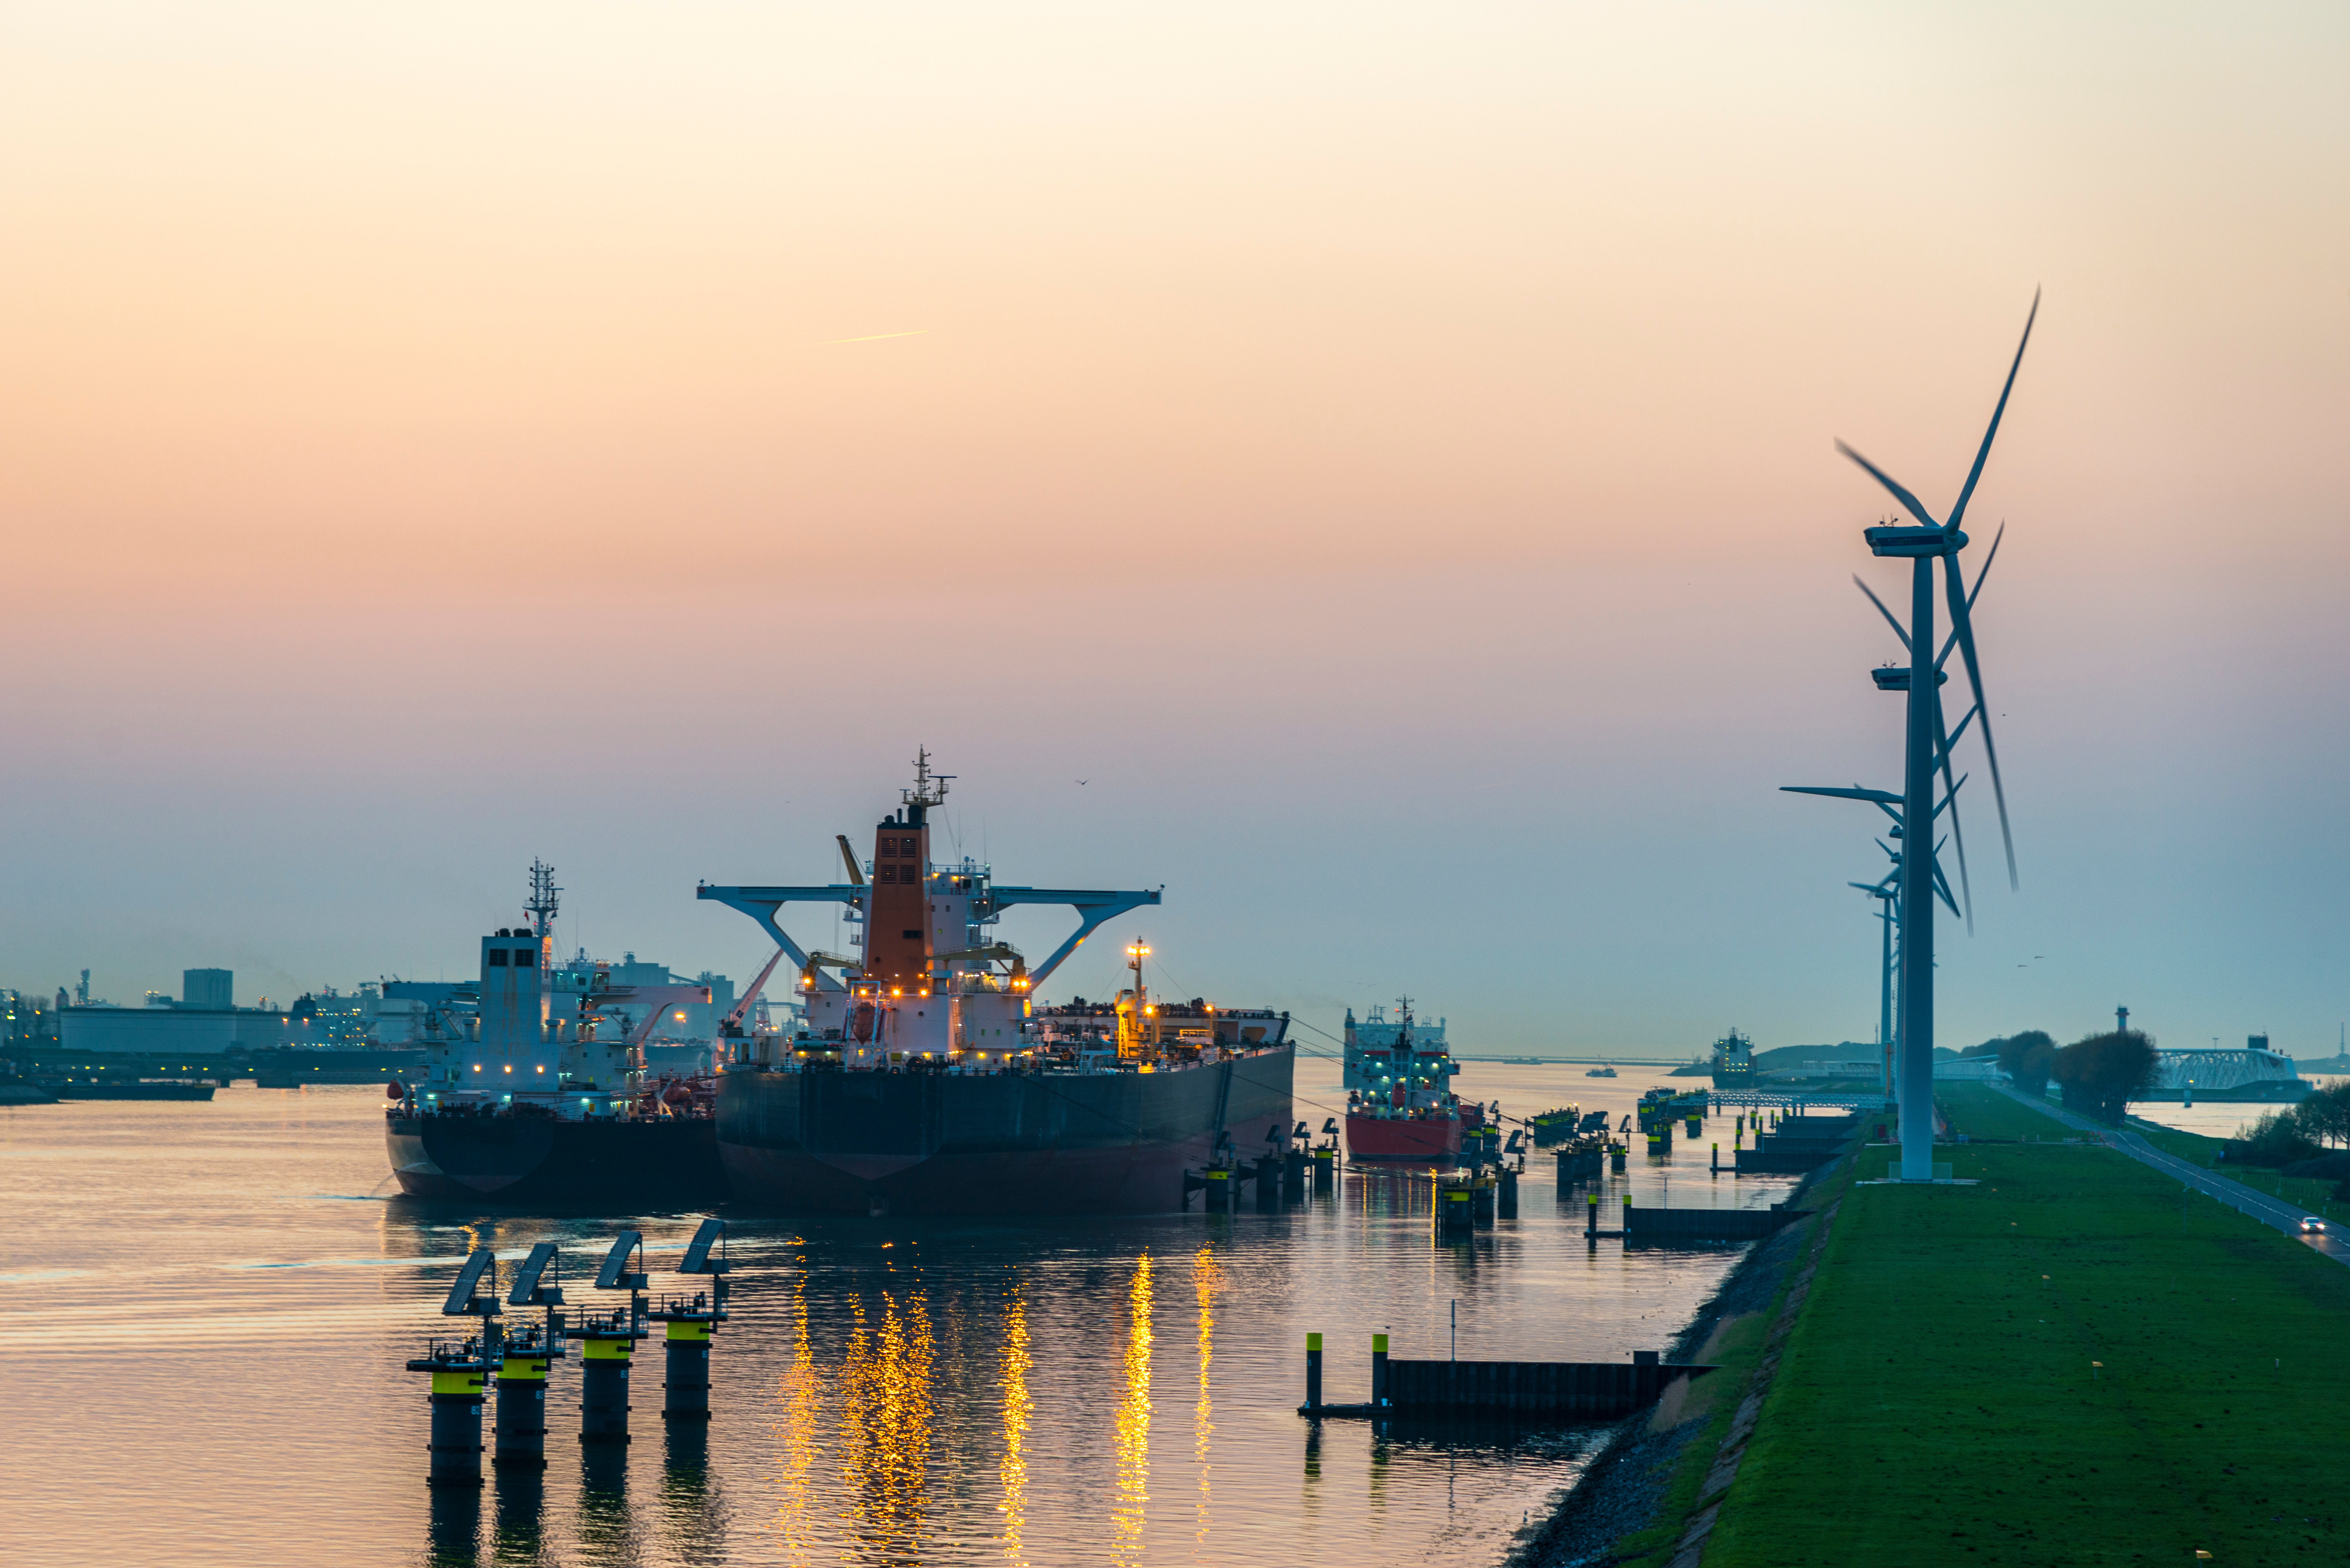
1893, 539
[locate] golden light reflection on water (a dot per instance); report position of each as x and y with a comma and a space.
1206, 1280
1130, 1517
1013, 1470
886, 1424
800, 1395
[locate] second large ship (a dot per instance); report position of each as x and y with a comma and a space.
923, 1078
1400, 1107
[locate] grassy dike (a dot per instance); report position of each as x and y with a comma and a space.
1938, 1398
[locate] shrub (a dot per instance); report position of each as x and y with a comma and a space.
2100, 1074
2027, 1059
2275, 1139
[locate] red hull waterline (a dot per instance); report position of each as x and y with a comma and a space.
1410, 1140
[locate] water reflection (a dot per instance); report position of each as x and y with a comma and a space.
1013, 1469
692, 1509
801, 1397
521, 1516
1206, 1279
1130, 1516
885, 1383
456, 1522
988, 1445
604, 1502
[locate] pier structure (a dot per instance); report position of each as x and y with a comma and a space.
523, 1361
461, 1372
609, 1341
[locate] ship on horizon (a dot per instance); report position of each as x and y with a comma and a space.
923, 1078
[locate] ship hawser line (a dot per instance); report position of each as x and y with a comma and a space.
925, 1079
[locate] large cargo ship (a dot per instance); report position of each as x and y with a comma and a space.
1400, 1107
923, 1078
535, 1091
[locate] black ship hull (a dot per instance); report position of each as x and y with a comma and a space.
833, 1142
540, 1162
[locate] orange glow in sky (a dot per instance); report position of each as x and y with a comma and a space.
1386, 449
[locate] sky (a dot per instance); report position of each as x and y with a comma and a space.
1386, 452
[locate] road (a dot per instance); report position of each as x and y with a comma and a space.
2268, 1210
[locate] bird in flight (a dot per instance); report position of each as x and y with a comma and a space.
1081, 780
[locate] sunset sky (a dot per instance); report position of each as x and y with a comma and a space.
1386, 450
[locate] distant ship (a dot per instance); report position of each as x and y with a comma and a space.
1600, 1073
1400, 1102
925, 1079
1733, 1060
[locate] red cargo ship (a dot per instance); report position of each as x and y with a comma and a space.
1400, 1107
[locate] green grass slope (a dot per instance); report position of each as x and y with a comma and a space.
1940, 1400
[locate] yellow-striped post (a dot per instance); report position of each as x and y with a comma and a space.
459, 1374
522, 1407
604, 1386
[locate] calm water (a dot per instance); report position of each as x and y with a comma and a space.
210, 1305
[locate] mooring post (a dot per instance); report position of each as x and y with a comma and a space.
608, 1343
1509, 1193
1452, 1209
522, 1402
522, 1370
459, 1374
1717, 1157
1325, 1169
1378, 1370
1220, 1190
1618, 1153
686, 1389
1591, 1217
1314, 1372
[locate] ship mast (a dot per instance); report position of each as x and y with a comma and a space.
542, 906
929, 789
1144, 1036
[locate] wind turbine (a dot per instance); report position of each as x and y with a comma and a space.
1926, 748
1888, 1033
1884, 890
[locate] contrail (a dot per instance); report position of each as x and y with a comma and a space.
876, 337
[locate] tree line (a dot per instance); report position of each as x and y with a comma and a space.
2097, 1076
2294, 1132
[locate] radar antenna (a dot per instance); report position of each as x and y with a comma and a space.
541, 907
925, 794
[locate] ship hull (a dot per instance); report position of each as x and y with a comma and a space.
540, 1162
1009, 1142
1404, 1140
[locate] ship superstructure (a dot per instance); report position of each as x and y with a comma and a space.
921, 1075
534, 1088
1733, 1060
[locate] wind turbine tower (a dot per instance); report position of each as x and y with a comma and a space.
1928, 745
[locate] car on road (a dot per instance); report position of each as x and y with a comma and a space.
2310, 1222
